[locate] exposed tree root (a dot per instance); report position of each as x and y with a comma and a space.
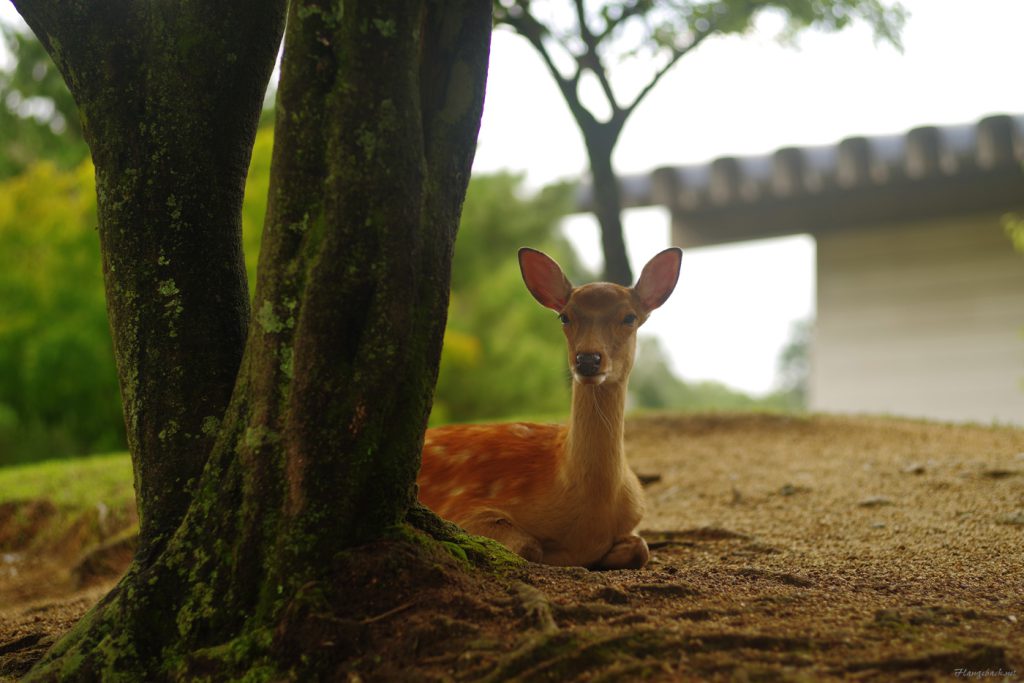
537, 606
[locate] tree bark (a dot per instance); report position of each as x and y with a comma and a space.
169, 95
600, 144
317, 451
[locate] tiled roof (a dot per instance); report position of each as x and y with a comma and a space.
928, 170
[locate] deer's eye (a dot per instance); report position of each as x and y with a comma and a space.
563, 318
629, 319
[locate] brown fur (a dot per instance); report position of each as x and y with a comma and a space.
553, 494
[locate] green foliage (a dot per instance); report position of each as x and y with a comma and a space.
504, 353
58, 384
58, 390
1013, 224
37, 113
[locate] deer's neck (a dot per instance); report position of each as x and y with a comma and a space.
594, 450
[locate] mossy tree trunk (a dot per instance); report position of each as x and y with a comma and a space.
260, 465
169, 94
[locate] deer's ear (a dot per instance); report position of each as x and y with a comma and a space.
544, 278
659, 278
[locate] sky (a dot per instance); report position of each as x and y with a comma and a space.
734, 307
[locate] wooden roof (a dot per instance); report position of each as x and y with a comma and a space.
926, 172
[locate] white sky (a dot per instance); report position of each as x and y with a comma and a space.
734, 306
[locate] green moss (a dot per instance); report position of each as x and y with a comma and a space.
427, 529
287, 367
385, 27
210, 425
268, 320
328, 17
168, 287
368, 142
244, 658
169, 430
456, 550
259, 435
488, 553
300, 226
201, 606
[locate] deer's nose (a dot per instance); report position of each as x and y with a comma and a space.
588, 364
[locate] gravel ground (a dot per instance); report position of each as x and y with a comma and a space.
784, 549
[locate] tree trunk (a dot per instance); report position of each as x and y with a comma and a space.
170, 123
318, 449
600, 140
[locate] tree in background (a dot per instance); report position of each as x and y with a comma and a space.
653, 385
795, 364
580, 40
269, 449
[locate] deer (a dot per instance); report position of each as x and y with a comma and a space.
560, 495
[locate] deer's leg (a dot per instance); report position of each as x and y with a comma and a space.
508, 534
628, 552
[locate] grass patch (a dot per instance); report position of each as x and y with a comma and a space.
72, 483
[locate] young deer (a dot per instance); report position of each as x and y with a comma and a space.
555, 494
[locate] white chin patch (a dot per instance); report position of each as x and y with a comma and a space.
591, 379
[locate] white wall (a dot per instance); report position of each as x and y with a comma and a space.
922, 319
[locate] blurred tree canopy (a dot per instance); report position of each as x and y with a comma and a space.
496, 331
58, 389
794, 369
1013, 223
37, 113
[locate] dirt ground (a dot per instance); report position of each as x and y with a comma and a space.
784, 549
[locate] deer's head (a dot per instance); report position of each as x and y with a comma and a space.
600, 320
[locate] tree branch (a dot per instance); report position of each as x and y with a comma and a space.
591, 59
527, 26
585, 33
676, 55
636, 9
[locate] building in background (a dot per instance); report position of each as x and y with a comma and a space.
920, 299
